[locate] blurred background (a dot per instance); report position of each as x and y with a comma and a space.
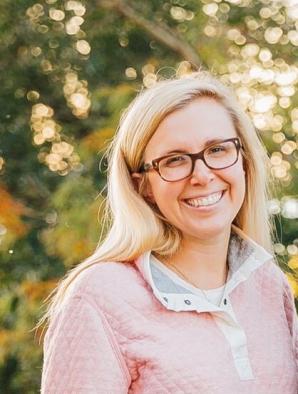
68, 69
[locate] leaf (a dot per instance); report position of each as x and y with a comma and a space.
12, 225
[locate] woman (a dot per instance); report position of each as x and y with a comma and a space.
183, 295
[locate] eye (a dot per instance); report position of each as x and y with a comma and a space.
217, 149
175, 161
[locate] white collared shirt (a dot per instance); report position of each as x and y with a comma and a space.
161, 271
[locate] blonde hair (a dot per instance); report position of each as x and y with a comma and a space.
135, 227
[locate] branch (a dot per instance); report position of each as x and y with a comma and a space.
158, 31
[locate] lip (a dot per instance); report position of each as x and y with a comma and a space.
205, 195
205, 208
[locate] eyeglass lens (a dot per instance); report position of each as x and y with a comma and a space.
216, 156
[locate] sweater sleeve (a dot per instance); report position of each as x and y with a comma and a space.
81, 355
291, 314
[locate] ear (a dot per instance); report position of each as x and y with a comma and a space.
142, 186
137, 179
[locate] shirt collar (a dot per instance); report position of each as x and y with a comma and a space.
244, 257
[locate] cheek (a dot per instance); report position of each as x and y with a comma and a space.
238, 184
165, 195
234, 177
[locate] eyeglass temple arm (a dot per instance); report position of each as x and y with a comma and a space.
146, 167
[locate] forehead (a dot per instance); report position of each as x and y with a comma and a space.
189, 128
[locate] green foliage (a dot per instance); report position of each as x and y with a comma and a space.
73, 234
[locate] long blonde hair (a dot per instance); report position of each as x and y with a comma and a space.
134, 226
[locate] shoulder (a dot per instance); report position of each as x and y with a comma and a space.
103, 275
273, 277
108, 283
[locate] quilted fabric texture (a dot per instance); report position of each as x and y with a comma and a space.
113, 336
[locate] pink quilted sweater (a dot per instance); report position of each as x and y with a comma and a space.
128, 328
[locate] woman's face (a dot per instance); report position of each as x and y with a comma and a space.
188, 130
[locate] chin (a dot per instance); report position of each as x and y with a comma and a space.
209, 231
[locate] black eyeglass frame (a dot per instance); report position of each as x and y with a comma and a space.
154, 165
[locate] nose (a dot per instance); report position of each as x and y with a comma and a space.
201, 173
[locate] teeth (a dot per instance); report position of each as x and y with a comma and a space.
204, 201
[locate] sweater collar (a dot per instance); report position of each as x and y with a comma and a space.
244, 257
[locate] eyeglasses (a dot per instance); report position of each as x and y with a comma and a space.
175, 167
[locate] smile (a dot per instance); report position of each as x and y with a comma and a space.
211, 199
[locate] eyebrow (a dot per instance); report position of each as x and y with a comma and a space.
206, 143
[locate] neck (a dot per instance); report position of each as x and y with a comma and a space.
203, 261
